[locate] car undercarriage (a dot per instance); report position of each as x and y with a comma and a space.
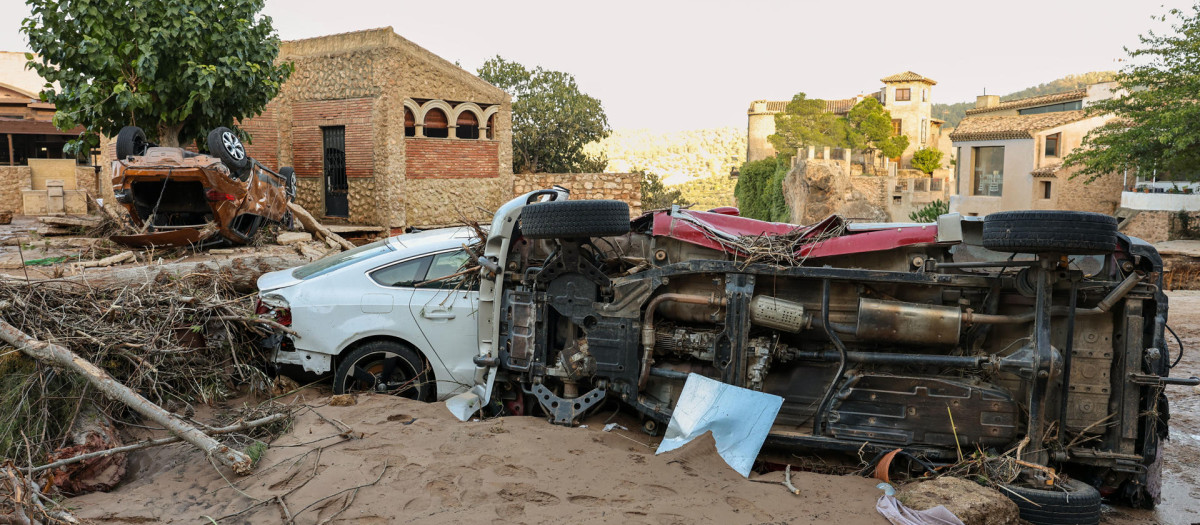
1040, 332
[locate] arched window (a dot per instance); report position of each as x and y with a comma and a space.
491, 127
410, 123
468, 126
436, 125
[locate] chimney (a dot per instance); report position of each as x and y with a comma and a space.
987, 101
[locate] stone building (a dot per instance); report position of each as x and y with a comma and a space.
383, 132
36, 177
1010, 155
907, 96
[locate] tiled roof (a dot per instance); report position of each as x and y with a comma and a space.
1012, 126
831, 106
1046, 171
907, 76
840, 106
1030, 102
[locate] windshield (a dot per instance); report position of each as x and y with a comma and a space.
333, 262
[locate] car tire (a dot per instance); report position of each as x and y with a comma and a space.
1040, 231
225, 144
131, 140
1077, 504
575, 219
289, 182
362, 369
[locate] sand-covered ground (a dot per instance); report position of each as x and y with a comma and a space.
390, 460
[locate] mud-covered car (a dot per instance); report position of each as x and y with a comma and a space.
178, 197
1032, 331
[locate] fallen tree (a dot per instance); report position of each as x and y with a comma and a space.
60, 356
314, 226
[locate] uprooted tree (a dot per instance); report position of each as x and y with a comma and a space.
176, 69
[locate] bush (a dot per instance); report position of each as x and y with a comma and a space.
759, 190
927, 160
930, 212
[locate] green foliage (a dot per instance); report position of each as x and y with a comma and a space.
869, 126
677, 156
177, 69
551, 118
930, 212
927, 159
1157, 124
805, 122
954, 113
759, 190
255, 451
709, 192
656, 195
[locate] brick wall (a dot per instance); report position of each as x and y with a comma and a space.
264, 137
308, 117
451, 158
618, 186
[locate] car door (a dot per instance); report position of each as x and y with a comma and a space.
445, 309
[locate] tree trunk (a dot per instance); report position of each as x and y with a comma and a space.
60, 356
311, 224
241, 272
168, 135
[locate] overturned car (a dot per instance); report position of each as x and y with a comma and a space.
178, 197
1040, 331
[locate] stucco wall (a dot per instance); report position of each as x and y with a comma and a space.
760, 125
619, 186
1017, 193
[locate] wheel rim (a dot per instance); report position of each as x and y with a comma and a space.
384, 372
233, 145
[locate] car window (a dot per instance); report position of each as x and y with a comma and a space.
333, 262
405, 274
445, 265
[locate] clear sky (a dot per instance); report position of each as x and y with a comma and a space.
699, 63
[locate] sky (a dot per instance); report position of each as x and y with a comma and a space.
677, 65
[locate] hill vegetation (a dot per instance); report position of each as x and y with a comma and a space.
695, 162
953, 113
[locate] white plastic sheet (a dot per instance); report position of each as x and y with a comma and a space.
739, 420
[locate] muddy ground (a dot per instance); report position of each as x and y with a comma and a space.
389, 460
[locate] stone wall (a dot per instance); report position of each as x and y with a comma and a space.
12, 180
1154, 226
618, 186
1102, 195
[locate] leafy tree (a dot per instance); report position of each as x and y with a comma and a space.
656, 195
869, 126
806, 123
552, 118
759, 190
927, 159
177, 69
930, 212
1157, 119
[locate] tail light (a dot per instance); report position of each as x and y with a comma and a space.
281, 315
217, 196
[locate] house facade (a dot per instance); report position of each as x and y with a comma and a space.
383, 132
907, 96
1010, 155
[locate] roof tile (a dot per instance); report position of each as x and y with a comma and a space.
907, 76
1030, 102
1012, 126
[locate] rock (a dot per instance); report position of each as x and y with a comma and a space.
973, 503
287, 238
816, 189
343, 400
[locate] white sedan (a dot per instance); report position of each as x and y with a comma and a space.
390, 316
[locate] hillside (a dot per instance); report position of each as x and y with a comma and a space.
953, 113
676, 157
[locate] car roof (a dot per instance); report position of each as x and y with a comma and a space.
427, 241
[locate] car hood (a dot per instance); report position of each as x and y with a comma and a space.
276, 280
